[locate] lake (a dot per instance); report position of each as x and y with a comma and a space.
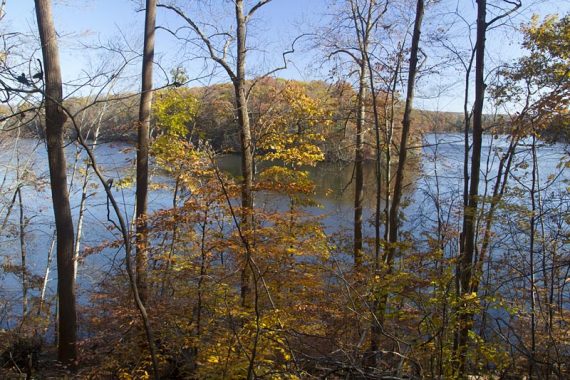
437, 170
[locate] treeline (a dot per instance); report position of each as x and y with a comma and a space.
215, 119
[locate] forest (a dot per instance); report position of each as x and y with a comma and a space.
382, 191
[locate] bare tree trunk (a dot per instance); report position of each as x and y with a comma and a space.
23, 254
77, 156
406, 123
246, 149
375, 330
142, 150
46, 274
198, 309
470, 213
83, 201
531, 289
55, 119
22, 227
500, 186
359, 162
378, 148
365, 19
9, 210
466, 148
388, 142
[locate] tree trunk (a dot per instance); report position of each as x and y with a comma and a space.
388, 142
84, 194
533, 222
406, 123
378, 166
359, 162
246, 151
470, 213
364, 22
398, 186
375, 332
23, 254
55, 119
46, 274
142, 150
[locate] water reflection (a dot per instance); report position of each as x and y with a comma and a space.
334, 180
435, 177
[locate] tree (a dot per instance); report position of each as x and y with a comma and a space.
363, 27
143, 148
394, 221
54, 121
363, 19
537, 85
237, 75
469, 233
538, 82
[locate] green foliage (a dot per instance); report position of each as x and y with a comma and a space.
174, 109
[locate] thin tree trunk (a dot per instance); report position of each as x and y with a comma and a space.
359, 163
388, 143
471, 210
378, 148
77, 156
247, 165
363, 23
23, 254
125, 234
55, 119
375, 330
532, 259
142, 151
246, 151
46, 275
402, 157
498, 192
406, 124
466, 150
83, 200
10, 207
197, 311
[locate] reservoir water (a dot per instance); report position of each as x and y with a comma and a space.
435, 178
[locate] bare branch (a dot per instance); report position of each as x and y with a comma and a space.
284, 57
220, 60
255, 8
516, 5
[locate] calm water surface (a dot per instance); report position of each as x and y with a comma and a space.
438, 171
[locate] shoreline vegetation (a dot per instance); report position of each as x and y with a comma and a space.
215, 122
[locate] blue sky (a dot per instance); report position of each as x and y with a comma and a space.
100, 22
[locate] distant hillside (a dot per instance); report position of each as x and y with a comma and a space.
215, 122
432, 121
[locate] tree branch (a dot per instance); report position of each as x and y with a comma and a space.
255, 8
219, 60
